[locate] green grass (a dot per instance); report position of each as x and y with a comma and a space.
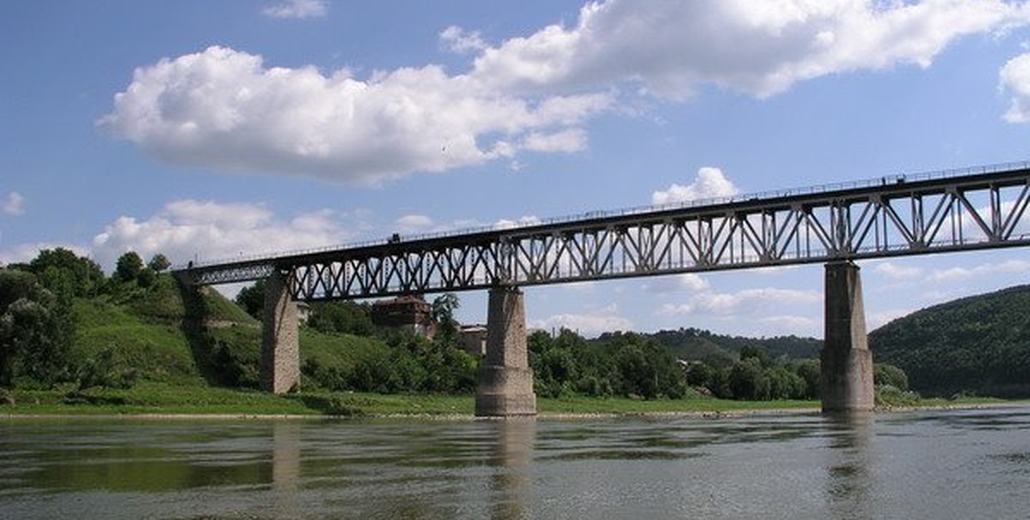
198, 399
621, 405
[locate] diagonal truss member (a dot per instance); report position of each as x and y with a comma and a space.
888, 217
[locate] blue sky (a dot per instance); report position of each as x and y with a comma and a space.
213, 129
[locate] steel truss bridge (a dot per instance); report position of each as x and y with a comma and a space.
961, 210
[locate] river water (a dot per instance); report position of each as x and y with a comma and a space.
931, 464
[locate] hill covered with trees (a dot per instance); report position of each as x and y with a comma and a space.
978, 345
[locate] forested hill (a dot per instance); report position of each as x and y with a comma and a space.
978, 344
695, 344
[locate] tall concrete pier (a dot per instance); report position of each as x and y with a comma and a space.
504, 385
280, 347
847, 362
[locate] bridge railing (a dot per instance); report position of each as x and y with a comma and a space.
624, 212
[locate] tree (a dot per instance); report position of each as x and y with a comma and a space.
252, 298
890, 375
61, 271
35, 330
341, 317
444, 307
809, 371
748, 381
128, 267
756, 352
159, 263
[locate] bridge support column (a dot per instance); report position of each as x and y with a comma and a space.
504, 385
847, 362
280, 348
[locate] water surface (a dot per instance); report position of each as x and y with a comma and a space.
932, 464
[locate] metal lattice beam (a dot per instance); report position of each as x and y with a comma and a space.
891, 217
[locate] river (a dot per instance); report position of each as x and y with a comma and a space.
940, 464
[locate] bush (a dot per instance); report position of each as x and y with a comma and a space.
891, 396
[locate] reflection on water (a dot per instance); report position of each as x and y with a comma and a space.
512, 480
849, 479
944, 464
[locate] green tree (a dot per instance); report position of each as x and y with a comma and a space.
444, 307
808, 370
159, 263
339, 317
748, 381
61, 271
35, 330
128, 267
890, 375
647, 369
756, 352
252, 298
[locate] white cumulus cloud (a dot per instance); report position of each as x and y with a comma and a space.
461, 41
297, 9
1014, 79
745, 302
222, 108
189, 229
606, 319
710, 183
761, 48
13, 204
225, 109
956, 274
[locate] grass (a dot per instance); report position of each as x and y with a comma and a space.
156, 398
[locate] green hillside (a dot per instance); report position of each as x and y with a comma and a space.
209, 341
979, 344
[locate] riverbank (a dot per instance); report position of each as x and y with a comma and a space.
163, 401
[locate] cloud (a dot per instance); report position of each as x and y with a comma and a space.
673, 47
710, 183
898, 272
461, 41
225, 109
297, 9
1014, 78
414, 224
748, 301
13, 204
956, 274
689, 282
793, 324
603, 320
189, 229
24, 253
525, 220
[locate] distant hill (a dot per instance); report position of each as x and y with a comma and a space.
979, 344
695, 345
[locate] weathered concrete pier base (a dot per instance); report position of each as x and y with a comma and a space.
504, 385
280, 348
847, 362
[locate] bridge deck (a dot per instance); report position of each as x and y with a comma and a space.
971, 209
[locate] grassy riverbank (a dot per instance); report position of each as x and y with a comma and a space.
160, 399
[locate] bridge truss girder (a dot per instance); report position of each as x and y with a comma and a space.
887, 219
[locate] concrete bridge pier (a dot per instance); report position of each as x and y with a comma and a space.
280, 347
504, 385
847, 362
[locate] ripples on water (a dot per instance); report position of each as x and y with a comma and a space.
940, 464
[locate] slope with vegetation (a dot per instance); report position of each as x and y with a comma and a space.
977, 345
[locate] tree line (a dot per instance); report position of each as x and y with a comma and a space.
37, 323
